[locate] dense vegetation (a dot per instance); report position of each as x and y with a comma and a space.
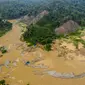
11, 9
5, 26
60, 10
37, 34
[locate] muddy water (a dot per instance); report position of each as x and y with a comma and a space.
21, 74
11, 37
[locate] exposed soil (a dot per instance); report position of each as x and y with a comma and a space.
68, 27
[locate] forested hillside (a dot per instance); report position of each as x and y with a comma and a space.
60, 10
11, 9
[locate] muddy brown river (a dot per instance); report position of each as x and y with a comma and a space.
20, 74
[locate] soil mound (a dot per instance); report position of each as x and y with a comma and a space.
67, 27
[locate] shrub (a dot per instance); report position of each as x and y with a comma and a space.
83, 42
3, 49
28, 84
47, 47
2, 82
76, 44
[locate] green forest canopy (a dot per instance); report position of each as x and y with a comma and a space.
60, 10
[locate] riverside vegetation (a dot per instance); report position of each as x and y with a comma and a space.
5, 26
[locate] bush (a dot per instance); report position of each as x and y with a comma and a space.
2, 82
83, 42
28, 84
47, 47
3, 49
76, 44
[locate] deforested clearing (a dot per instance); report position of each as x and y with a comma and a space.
43, 42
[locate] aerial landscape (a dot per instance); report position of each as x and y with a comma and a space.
42, 42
